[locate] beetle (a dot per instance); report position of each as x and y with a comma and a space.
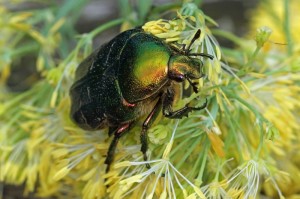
133, 75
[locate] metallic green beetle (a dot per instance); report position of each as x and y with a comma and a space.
131, 76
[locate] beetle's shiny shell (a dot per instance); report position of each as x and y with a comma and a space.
120, 81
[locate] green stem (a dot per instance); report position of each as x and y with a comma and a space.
194, 168
25, 49
261, 141
251, 108
232, 135
216, 178
261, 120
90, 36
179, 147
286, 27
253, 56
106, 26
203, 164
229, 36
165, 7
188, 153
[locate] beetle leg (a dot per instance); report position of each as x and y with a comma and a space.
118, 133
147, 123
178, 114
193, 84
168, 100
112, 130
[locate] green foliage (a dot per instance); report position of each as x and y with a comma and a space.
249, 129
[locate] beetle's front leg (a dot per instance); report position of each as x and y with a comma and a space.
168, 100
147, 123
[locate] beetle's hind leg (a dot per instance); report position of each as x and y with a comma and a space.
168, 99
112, 130
146, 125
118, 133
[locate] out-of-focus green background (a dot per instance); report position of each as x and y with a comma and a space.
235, 16
231, 15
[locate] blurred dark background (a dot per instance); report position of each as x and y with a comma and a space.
231, 15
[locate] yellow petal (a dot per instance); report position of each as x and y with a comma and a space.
61, 173
217, 144
168, 149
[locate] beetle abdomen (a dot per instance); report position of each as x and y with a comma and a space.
88, 119
86, 111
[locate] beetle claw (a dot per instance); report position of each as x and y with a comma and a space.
202, 106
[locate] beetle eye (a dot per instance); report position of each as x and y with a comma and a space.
176, 77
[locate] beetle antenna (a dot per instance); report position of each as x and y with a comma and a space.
202, 55
196, 36
188, 49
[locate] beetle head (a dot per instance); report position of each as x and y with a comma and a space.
183, 67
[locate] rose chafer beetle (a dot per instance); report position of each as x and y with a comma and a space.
133, 75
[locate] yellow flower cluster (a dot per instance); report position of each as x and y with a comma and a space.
277, 15
244, 144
